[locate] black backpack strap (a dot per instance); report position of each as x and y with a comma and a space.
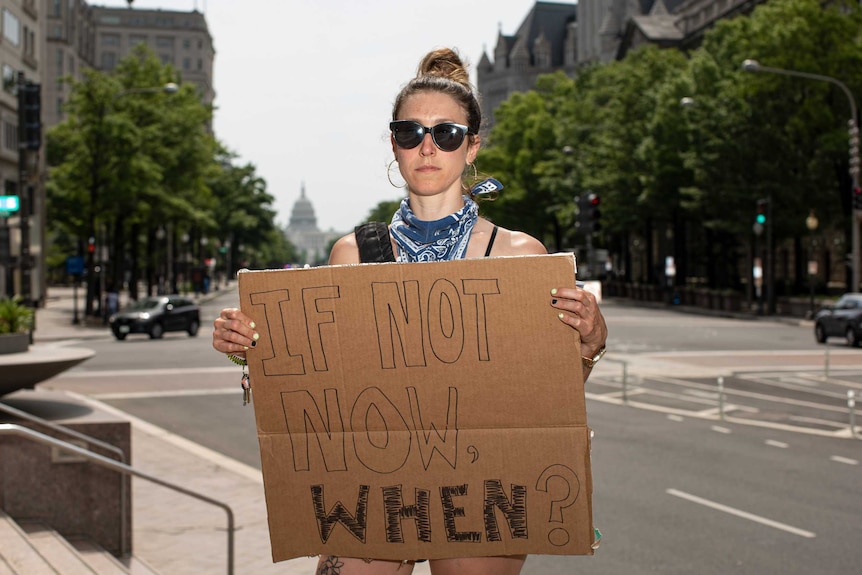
491, 241
374, 243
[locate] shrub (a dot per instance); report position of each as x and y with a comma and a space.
15, 317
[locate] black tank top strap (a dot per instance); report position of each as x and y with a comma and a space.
491, 241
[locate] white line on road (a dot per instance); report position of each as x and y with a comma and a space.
719, 429
740, 513
674, 417
148, 372
773, 443
847, 460
167, 393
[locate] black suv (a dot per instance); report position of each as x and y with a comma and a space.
156, 315
844, 319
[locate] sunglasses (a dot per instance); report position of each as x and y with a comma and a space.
447, 136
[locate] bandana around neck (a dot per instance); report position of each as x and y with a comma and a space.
440, 240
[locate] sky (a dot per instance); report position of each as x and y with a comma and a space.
304, 88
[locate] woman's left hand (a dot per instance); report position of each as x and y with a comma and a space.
578, 308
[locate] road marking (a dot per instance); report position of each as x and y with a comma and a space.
799, 381
742, 514
147, 372
847, 460
168, 393
674, 417
720, 429
773, 443
628, 393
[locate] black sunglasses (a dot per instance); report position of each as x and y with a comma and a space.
447, 136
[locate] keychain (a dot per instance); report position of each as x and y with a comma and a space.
245, 383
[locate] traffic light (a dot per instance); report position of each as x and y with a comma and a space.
594, 214
760, 218
857, 198
91, 245
30, 99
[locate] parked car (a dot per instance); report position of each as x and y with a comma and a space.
844, 319
156, 315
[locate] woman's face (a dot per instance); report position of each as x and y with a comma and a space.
427, 169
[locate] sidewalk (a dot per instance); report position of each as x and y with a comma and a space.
174, 533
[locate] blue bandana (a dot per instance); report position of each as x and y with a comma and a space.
440, 240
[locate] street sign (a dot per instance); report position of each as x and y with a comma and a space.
74, 265
9, 204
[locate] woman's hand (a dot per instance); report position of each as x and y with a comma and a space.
579, 309
233, 332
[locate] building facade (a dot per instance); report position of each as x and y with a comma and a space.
546, 41
22, 237
47, 41
562, 36
303, 233
78, 35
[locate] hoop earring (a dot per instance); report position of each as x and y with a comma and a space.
465, 186
389, 176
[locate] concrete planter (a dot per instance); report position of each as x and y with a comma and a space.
14, 342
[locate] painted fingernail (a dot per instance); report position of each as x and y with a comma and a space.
554, 291
245, 347
255, 337
251, 325
560, 315
554, 301
254, 344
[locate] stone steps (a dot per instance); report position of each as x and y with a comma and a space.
34, 549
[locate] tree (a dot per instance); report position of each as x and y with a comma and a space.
383, 211
243, 215
521, 151
773, 136
128, 160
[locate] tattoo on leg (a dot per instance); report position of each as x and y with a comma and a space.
331, 565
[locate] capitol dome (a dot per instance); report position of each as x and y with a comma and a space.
302, 217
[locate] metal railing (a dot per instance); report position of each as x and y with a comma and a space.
27, 433
92, 441
722, 392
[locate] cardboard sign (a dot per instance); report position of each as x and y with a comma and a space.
426, 410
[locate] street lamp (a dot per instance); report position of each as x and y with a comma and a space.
855, 214
811, 223
169, 88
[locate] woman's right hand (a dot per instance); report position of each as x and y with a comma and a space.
233, 332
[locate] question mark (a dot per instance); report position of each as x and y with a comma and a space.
559, 536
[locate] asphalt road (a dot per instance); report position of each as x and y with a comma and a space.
673, 493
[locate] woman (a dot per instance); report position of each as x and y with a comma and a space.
435, 139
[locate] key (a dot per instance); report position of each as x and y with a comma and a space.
246, 389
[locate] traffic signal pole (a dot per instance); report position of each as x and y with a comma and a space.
29, 139
855, 213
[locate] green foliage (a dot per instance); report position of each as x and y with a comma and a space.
15, 317
382, 212
524, 154
132, 158
693, 173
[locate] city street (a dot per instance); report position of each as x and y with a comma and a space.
771, 488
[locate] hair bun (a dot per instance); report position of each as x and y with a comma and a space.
444, 63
